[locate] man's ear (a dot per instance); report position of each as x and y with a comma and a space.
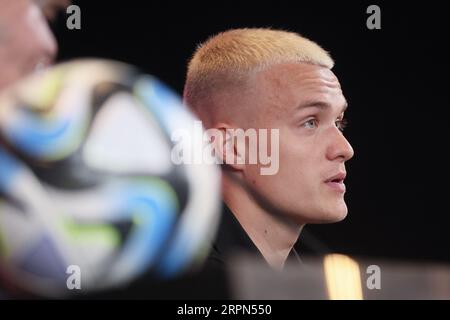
226, 149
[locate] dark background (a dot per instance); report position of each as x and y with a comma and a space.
395, 79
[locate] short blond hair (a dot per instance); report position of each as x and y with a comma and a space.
227, 59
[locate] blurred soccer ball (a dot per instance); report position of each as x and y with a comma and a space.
87, 183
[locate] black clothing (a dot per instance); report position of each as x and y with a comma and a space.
231, 238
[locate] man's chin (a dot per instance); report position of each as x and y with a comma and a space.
336, 214
339, 218
321, 217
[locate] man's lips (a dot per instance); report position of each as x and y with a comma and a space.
336, 182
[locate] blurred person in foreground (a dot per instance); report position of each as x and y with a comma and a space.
26, 41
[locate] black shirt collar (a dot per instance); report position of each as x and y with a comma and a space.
231, 238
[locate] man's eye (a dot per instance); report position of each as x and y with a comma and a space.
310, 124
341, 124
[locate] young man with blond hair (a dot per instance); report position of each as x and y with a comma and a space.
272, 79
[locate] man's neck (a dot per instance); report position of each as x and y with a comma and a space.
273, 236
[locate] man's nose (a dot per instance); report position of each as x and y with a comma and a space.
339, 147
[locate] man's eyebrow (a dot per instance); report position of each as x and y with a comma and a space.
319, 104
